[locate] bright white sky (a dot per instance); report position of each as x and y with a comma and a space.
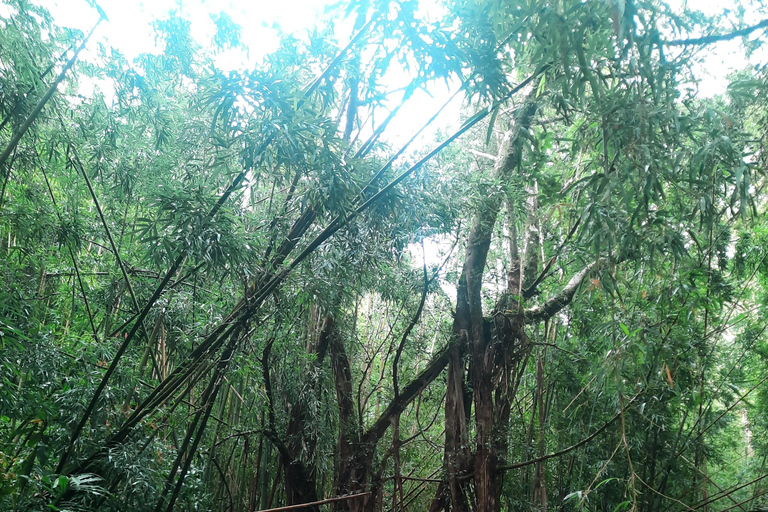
129, 30
727, 56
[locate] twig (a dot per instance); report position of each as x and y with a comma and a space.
741, 503
729, 492
664, 495
314, 503
580, 392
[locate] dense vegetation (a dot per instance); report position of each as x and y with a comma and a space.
224, 290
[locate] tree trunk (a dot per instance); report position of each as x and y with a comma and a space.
488, 359
539, 480
300, 477
352, 456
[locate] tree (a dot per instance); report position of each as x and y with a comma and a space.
235, 257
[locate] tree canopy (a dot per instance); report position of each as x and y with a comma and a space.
230, 290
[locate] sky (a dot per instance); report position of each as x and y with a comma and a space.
129, 30
724, 57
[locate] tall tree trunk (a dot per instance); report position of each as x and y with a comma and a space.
352, 455
488, 360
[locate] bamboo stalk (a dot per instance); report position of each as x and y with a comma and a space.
47, 96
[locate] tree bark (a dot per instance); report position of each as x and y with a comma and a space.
353, 457
473, 336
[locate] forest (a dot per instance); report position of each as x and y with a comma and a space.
275, 287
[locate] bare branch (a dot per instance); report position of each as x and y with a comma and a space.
556, 303
315, 503
408, 394
718, 37
484, 155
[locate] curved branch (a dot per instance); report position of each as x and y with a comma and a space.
581, 443
411, 325
408, 394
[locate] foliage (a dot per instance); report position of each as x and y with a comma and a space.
224, 290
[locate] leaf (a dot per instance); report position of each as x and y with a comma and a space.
621, 506
61, 483
625, 329
669, 376
542, 83
575, 494
491, 123
605, 482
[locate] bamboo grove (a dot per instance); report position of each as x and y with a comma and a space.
231, 290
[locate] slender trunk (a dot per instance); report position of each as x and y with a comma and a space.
397, 487
652, 470
353, 455
275, 484
540, 485
253, 491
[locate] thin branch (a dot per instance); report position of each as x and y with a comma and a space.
85, 297
728, 492
315, 503
408, 329
74, 260
518, 465
115, 251
733, 405
70, 274
670, 498
542, 344
714, 38
741, 503
531, 290
481, 154
416, 479
316, 82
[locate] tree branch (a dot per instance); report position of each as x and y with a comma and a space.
315, 503
518, 465
714, 38
556, 303
407, 395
